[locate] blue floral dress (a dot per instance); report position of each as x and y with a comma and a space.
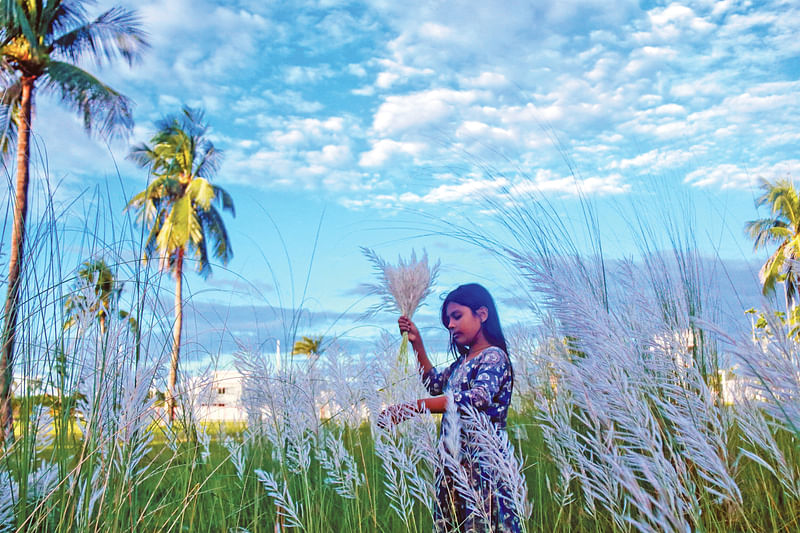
485, 381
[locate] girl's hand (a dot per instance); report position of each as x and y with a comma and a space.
394, 414
407, 326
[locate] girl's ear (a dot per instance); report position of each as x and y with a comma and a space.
483, 313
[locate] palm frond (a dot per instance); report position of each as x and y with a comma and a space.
103, 109
766, 231
308, 346
209, 161
12, 89
224, 199
9, 111
65, 15
14, 19
201, 193
781, 197
115, 33
215, 232
181, 226
772, 271
151, 242
141, 154
203, 265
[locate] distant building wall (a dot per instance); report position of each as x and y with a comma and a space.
223, 403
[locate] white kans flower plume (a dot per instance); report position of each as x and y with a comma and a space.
401, 287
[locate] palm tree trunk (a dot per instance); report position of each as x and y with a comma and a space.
15, 261
176, 336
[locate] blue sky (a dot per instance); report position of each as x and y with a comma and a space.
375, 117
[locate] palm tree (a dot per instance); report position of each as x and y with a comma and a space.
41, 44
310, 346
177, 206
783, 229
98, 277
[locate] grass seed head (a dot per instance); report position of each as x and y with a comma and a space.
401, 287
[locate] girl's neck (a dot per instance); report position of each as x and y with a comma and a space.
477, 348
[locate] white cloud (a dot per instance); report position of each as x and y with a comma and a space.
292, 100
394, 71
421, 84
784, 137
330, 156
435, 31
469, 191
415, 110
384, 149
674, 22
656, 160
302, 75
285, 139
472, 129
357, 70
486, 80
478, 190
546, 181
734, 176
706, 85
670, 109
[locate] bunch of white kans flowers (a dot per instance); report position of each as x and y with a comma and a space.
401, 287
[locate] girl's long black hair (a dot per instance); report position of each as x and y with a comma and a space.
476, 296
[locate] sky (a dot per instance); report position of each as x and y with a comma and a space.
387, 124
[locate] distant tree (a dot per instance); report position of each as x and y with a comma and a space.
781, 228
97, 277
310, 346
41, 44
178, 207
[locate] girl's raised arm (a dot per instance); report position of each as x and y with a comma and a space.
407, 326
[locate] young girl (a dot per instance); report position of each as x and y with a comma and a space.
482, 377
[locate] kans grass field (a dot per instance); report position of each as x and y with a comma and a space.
619, 423
637, 406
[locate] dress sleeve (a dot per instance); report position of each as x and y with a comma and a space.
487, 382
435, 381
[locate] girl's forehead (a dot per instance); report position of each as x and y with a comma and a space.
453, 307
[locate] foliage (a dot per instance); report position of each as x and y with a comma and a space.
180, 205
43, 43
781, 228
308, 346
178, 208
97, 294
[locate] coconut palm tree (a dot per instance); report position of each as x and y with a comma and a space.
41, 44
178, 208
781, 228
309, 346
97, 276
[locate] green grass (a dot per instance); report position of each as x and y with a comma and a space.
179, 491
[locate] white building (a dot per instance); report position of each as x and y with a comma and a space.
223, 401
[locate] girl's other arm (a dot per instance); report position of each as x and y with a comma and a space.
434, 405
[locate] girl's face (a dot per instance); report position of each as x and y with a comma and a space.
465, 325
